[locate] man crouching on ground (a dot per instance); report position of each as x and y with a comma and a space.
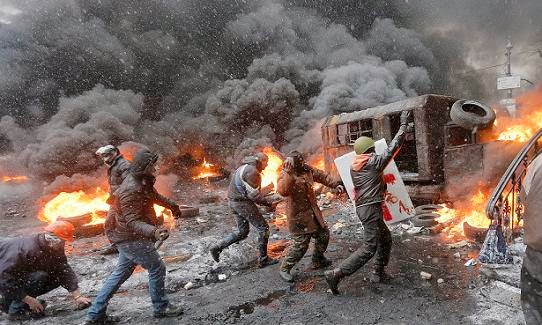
34, 265
136, 229
305, 220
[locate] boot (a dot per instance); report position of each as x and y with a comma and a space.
321, 263
102, 321
285, 275
169, 311
333, 278
215, 252
379, 275
109, 250
266, 261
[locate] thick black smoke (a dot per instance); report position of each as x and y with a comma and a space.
228, 76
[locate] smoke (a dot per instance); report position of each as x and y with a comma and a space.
225, 76
65, 145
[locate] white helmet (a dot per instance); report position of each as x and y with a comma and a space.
108, 153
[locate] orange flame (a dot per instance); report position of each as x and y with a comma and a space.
206, 170
75, 204
522, 129
270, 174
8, 179
472, 213
317, 161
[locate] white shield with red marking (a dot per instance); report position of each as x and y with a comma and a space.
398, 205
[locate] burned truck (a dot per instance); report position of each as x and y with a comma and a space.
450, 148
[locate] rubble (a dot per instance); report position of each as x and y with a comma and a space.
459, 244
425, 275
503, 293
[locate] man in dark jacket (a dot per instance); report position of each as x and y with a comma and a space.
243, 194
118, 169
531, 272
34, 265
369, 186
136, 229
305, 220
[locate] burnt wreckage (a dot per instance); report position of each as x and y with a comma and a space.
447, 144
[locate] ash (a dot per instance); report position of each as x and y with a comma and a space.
236, 291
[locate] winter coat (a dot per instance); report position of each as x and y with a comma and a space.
117, 172
19, 257
302, 209
532, 218
368, 169
135, 199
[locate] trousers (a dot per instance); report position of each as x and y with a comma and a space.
300, 245
246, 212
376, 241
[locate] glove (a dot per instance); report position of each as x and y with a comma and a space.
340, 189
176, 211
288, 164
405, 117
161, 234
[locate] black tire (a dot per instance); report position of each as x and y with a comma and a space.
471, 114
425, 220
427, 208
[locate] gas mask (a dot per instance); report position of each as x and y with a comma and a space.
299, 165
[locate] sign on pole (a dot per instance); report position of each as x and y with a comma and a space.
398, 205
508, 82
510, 105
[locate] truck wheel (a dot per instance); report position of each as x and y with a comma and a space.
425, 220
471, 114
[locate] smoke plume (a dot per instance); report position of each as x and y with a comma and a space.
226, 76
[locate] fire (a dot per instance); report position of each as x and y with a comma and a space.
472, 213
522, 129
271, 173
75, 204
206, 170
317, 162
14, 179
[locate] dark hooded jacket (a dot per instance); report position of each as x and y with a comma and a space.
135, 199
19, 257
117, 172
368, 169
302, 208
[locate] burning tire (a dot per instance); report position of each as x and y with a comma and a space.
471, 114
427, 208
425, 220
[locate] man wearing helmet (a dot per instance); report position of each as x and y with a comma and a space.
243, 194
370, 187
34, 265
117, 170
135, 232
